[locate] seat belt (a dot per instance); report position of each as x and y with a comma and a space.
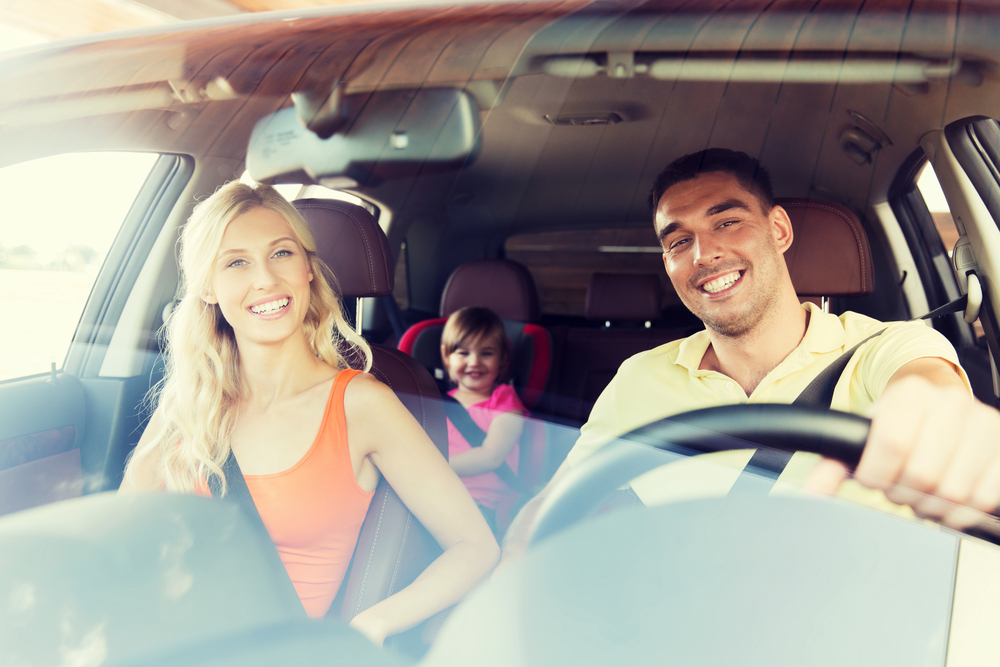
475, 436
237, 491
764, 467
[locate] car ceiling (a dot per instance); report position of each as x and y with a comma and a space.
199, 91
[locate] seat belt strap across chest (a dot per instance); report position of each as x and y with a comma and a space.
766, 465
475, 436
237, 491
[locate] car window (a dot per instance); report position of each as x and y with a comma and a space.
293, 191
62, 215
930, 189
562, 262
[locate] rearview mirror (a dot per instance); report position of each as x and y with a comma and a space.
386, 134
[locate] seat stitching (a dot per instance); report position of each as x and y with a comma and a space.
368, 563
399, 557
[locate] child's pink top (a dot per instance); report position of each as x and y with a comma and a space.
487, 489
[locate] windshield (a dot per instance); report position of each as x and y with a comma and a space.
504, 333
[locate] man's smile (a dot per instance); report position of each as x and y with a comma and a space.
721, 283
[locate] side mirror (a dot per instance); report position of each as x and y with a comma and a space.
386, 134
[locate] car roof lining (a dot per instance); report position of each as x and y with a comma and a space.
559, 174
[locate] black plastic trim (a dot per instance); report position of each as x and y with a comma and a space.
929, 254
150, 210
975, 141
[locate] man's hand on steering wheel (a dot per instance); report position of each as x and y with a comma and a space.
931, 446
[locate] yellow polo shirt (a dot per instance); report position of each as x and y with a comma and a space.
666, 381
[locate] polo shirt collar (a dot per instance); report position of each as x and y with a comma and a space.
825, 333
691, 351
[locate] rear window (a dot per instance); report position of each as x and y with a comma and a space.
562, 262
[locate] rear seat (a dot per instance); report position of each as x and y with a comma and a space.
626, 305
506, 288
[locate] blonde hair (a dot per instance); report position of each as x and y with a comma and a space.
476, 323
198, 400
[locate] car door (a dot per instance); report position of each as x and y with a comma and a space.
73, 382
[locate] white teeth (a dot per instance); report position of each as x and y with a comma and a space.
721, 283
269, 307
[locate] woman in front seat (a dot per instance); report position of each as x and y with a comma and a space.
255, 367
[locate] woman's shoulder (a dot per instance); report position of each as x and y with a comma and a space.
363, 390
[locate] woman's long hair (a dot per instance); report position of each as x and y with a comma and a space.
199, 398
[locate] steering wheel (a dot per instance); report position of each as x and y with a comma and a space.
833, 434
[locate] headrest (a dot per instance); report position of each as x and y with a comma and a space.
829, 255
623, 296
352, 244
503, 286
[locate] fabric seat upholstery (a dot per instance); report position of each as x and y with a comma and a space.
624, 302
393, 548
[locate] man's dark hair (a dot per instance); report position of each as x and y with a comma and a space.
747, 170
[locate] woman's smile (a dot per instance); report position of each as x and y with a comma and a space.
262, 279
271, 308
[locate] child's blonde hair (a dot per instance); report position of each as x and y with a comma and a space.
476, 323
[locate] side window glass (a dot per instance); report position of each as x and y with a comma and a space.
930, 190
293, 191
61, 216
562, 262
944, 222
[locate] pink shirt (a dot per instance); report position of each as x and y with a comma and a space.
487, 489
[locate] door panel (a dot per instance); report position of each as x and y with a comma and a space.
42, 423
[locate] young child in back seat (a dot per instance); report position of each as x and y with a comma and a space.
485, 417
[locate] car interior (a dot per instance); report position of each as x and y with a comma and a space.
502, 155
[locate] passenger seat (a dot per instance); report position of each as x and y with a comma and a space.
393, 547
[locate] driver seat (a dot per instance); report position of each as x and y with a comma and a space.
393, 547
830, 256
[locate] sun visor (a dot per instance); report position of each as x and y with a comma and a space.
385, 134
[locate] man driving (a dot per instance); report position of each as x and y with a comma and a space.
723, 241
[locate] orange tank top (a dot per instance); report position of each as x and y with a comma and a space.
314, 510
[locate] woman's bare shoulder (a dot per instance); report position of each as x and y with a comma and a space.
365, 386
365, 395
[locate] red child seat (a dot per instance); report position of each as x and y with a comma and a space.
507, 289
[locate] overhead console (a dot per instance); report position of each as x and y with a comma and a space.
759, 67
345, 140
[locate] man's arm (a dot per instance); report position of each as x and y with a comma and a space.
931, 446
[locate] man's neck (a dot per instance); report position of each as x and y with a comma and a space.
748, 359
